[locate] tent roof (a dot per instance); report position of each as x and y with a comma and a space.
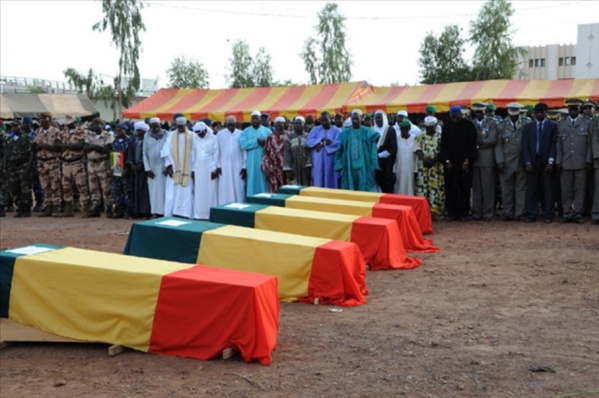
499, 92
217, 104
60, 105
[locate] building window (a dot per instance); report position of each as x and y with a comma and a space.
567, 61
542, 62
530, 63
573, 61
561, 61
536, 62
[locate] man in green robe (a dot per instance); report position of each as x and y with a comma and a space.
356, 157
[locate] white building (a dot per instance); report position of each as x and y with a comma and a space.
563, 61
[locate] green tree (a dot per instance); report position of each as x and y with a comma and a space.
184, 73
123, 18
241, 66
326, 58
93, 86
262, 71
491, 33
441, 59
36, 88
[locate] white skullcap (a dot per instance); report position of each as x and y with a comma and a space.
347, 122
280, 119
181, 121
199, 126
141, 126
154, 120
256, 113
402, 113
300, 118
430, 121
231, 118
107, 127
356, 111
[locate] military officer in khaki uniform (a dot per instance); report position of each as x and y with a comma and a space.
573, 158
483, 184
97, 146
48, 164
508, 156
72, 140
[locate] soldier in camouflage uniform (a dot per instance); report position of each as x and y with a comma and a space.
35, 179
120, 184
45, 146
72, 140
3, 184
17, 169
98, 144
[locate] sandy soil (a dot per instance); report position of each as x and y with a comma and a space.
499, 300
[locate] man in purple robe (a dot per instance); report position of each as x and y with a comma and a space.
323, 141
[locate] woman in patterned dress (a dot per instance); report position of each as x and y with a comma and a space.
430, 182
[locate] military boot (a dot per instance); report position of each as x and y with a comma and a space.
108, 211
56, 211
68, 210
26, 211
95, 211
47, 212
2, 211
85, 210
19, 211
119, 212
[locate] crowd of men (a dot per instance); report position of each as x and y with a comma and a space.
475, 165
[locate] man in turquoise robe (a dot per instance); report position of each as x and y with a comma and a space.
356, 157
252, 140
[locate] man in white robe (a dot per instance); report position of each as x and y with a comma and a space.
204, 158
406, 161
176, 152
231, 164
154, 165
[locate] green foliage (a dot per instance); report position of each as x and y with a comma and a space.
491, 33
247, 71
123, 19
184, 73
441, 59
92, 85
326, 58
36, 88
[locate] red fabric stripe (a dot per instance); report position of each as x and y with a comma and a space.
557, 91
510, 93
188, 101
151, 104
252, 101
338, 275
319, 101
203, 310
292, 94
408, 227
381, 244
431, 93
418, 203
220, 100
468, 93
595, 91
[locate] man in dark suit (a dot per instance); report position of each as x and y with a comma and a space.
387, 150
539, 140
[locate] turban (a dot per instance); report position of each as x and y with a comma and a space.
177, 115
430, 121
356, 112
405, 123
280, 119
402, 113
199, 126
107, 127
181, 121
154, 120
141, 126
299, 119
256, 113
456, 109
430, 109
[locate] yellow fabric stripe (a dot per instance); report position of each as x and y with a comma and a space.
307, 95
275, 94
581, 88
210, 95
168, 105
406, 97
490, 90
69, 292
305, 222
219, 113
449, 93
534, 90
342, 95
352, 207
288, 257
371, 197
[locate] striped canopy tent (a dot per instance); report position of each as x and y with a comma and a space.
59, 105
499, 92
240, 102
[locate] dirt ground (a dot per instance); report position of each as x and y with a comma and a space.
499, 301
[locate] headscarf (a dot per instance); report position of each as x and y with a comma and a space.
381, 129
141, 126
201, 126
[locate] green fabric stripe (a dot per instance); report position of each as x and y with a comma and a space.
271, 199
242, 217
7, 267
163, 242
291, 189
